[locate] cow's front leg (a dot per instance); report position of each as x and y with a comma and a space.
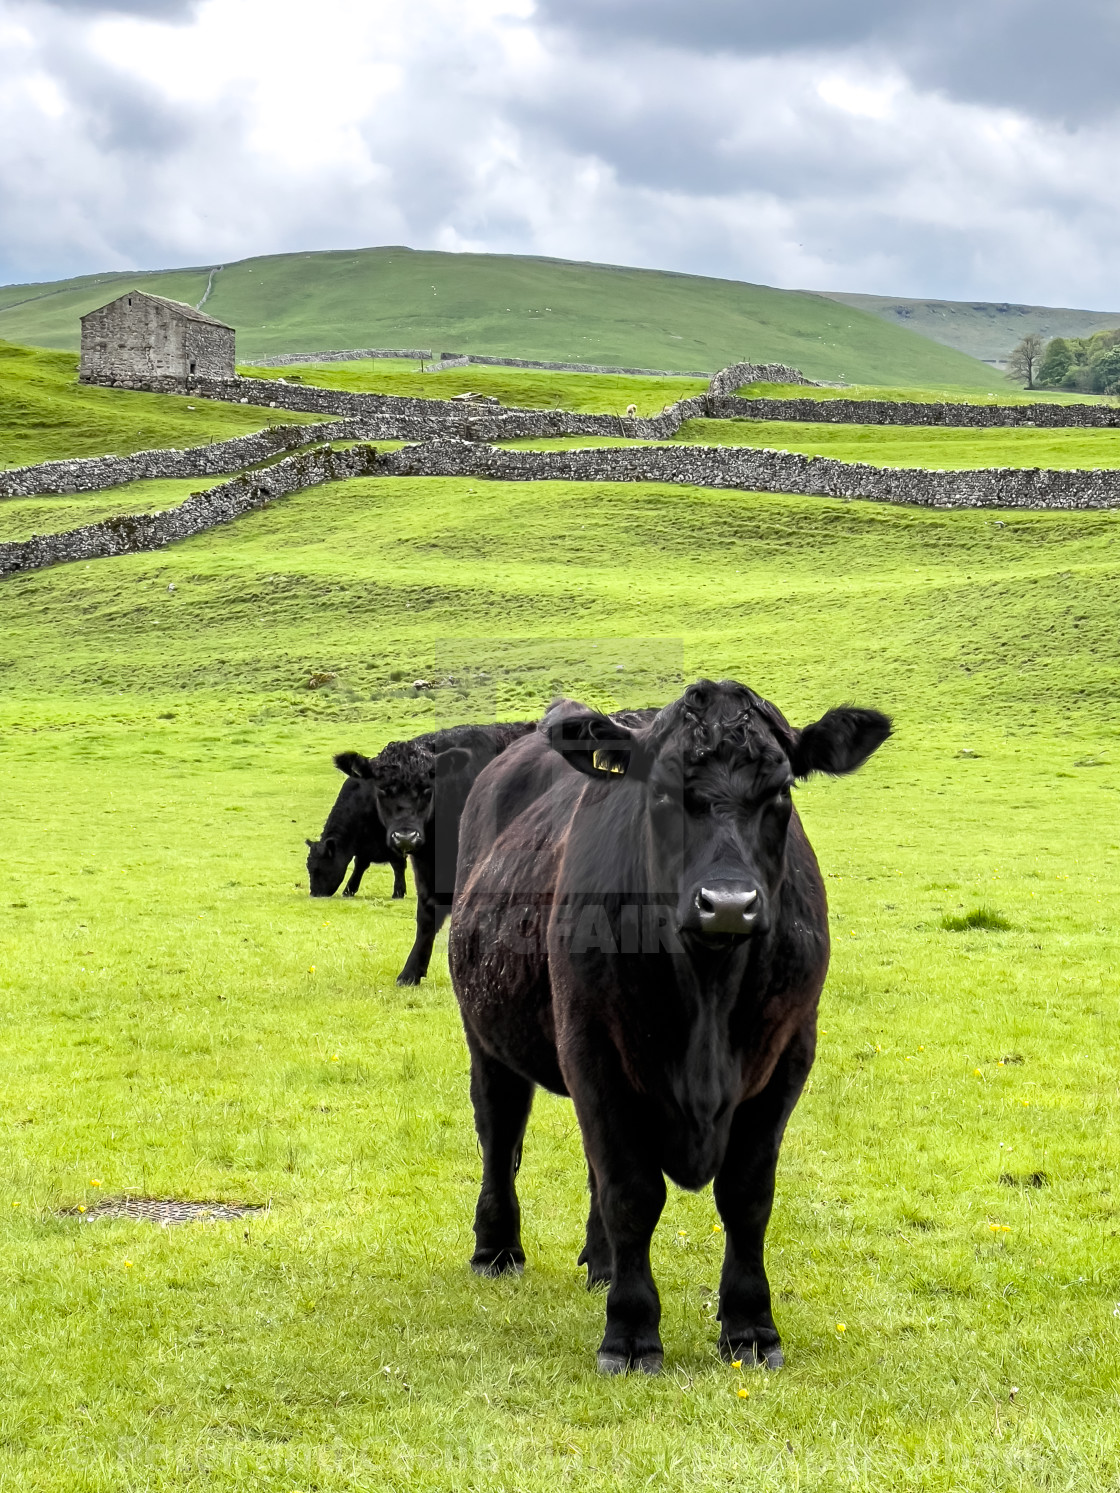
630, 1191
397, 862
502, 1100
431, 913
744, 1195
361, 866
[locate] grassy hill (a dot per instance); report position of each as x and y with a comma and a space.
982, 329
510, 305
46, 415
183, 1021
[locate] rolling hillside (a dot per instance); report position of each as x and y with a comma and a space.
982, 329
521, 307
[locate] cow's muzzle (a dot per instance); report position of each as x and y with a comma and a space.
406, 841
724, 909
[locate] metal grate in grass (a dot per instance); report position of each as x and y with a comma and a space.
164, 1211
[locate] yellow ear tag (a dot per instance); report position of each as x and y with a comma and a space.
600, 764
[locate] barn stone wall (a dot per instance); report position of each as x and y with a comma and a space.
711, 467
140, 337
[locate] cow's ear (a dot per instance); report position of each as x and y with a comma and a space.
353, 764
598, 747
452, 761
311, 844
839, 742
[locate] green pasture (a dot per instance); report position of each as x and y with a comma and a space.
46, 415
1001, 392
554, 310
181, 1020
596, 393
20, 518
938, 447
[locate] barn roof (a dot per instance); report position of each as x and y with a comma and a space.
180, 308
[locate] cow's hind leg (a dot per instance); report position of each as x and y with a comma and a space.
596, 1252
744, 1195
502, 1100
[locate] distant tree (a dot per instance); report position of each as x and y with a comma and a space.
1026, 359
1056, 363
1105, 368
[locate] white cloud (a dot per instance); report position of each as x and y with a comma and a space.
157, 133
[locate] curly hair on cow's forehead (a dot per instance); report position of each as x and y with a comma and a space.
728, 716
404, 760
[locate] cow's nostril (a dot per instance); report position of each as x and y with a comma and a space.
726, 909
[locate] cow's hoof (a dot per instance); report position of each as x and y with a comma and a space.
398, 896
619, 1363
406, 977
760, 1353
348, 893
505, 1262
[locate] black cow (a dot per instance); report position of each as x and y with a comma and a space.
649, 935
353, 832
420, 788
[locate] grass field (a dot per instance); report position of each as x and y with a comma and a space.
548, 309
1004, 393
595, 393
22, 517
47, 415
181, 1019
941, 448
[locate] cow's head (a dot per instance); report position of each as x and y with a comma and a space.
328, 857
404, 777
715, 769
326, 865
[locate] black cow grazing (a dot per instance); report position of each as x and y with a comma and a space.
649, 935
353, 832
420, 788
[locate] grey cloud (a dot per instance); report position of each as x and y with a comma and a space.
164, 10
1058, 61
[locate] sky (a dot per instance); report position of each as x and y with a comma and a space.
965, 150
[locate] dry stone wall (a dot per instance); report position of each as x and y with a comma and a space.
900, 412
96, 473
739, 468
350, 355
727, 380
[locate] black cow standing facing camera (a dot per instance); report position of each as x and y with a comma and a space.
420, 788
648, 934
353, 832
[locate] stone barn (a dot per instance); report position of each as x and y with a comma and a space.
140, 336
